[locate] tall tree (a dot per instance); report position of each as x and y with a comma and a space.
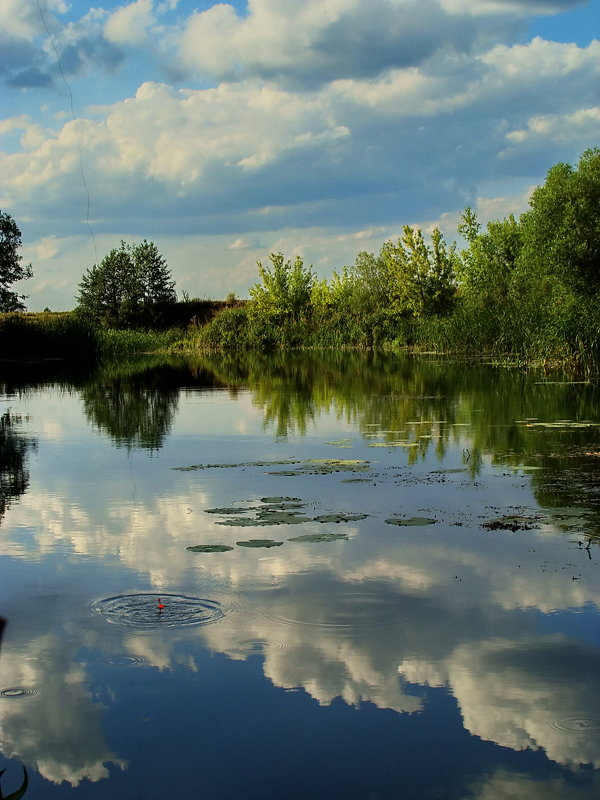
561, 231
486, 267
286, 287
127, 286
11, 268
154, 274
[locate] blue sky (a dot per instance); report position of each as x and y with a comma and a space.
223, 132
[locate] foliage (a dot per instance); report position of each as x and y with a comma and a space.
129, 287
11, 269
561, 231
285, 289
69, 335
485, 269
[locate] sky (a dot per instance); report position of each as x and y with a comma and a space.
224, 132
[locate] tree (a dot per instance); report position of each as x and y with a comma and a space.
421, 276
154, 274
486, 268
127, 287
286, 287
561, 231
11, 269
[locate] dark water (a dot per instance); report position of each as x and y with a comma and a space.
378, 578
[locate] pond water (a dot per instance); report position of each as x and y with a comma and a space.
351, 576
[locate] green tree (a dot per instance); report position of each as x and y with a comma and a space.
561, 231
422, 280
285, 289
128, 287
11, 269
154, 274
486, 267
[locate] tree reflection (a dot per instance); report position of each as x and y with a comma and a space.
506, 418
136, 402
14, 475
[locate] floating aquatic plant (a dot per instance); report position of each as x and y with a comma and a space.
324, 466
340, 517
209, 548
411, 521
319, 537
267, 517
512, 522
259, 543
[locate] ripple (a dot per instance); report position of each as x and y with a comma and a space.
17, 691
141, 610
579, 723
342, 610
125, 661
257, 646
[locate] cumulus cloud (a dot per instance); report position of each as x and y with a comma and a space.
316, 42
129, 24
521, 7
59, 730
325, 116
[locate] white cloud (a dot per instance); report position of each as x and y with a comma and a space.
129, 24
23, 20
314, 127
503, 7
580, 126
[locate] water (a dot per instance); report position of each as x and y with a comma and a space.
378, 578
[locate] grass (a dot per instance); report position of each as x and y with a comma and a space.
67, 335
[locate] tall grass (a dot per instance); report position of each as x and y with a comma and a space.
69, 336
525, 331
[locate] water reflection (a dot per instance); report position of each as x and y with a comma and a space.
468, 629
14, 449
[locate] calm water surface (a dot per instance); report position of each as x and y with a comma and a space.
378, 578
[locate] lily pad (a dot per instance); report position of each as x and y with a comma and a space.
450, 471
228, 510
394, 444
319, 537
411, 521
324, 466
259, 543
193, 467
271, 500
209, 548
266, 517
340, 517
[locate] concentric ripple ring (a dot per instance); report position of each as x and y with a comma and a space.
17, 691
142, 610
578, 723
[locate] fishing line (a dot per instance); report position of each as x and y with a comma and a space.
66, 82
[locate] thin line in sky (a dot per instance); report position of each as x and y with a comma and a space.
66, 82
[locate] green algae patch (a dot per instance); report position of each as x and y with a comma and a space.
210, 548
411, 521
259, 543
356, 480
340, 517
320, 537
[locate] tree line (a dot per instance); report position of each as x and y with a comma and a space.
529, 284
516, 284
